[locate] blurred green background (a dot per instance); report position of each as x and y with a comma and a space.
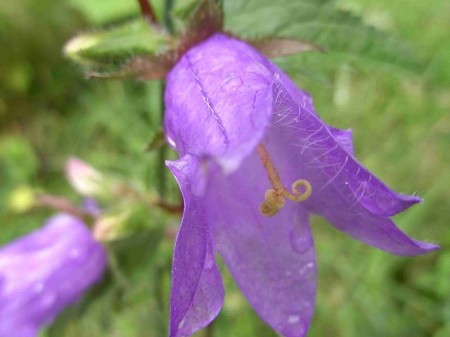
401, 124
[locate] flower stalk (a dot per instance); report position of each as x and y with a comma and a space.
147, 11
61, 204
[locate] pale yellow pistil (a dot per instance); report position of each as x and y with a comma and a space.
274, 198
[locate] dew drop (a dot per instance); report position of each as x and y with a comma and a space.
171, 141
182, 323
300, 240
306, 269
292, 319
232, 84
48, 300
209, 262
74, 253
38, 287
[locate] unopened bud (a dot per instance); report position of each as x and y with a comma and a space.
84, 179
109, 227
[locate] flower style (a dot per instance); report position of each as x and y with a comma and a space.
45, 271
244, 131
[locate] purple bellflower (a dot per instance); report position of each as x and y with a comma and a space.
45, 271
244, 131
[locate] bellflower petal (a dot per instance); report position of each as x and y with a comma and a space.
328, 146
271, 258
345, 192
196, 295
244, 132
223, 85
43, 272
344, 138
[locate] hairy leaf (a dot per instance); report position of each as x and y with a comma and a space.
101, 12
318, 22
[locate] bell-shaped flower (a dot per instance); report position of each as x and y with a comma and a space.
244, 133
45, 271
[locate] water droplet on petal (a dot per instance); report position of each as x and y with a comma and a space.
300, 239
38, 287
292, 319
74, 253
232, 84
48, 300
307, 269
171, 141
209, 262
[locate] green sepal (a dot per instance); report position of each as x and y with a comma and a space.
143, 51
111, 49
282, 46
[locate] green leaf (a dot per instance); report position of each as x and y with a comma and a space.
114, 47
103, 11
321, 23
181, 13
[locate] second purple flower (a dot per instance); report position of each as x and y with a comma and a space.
44, 272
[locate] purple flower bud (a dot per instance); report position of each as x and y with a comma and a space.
45, 271
245, 133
